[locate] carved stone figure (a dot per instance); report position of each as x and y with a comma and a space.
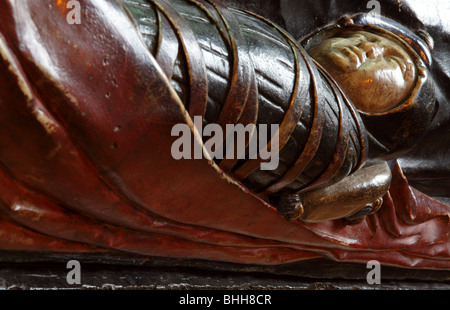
87, 112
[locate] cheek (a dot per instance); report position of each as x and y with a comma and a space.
395, 79
358, 81
374, 91
387, 89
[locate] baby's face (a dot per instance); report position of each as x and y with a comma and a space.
375, 72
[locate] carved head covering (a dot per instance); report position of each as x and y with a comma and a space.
382, 67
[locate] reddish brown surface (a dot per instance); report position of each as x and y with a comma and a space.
86, 115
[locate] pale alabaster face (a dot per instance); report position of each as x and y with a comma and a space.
375, 72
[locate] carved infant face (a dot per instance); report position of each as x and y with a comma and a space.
375, 72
